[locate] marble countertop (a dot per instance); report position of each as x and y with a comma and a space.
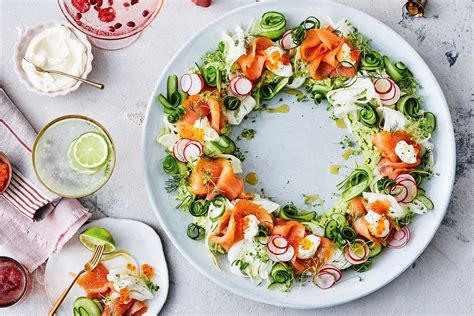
440, 281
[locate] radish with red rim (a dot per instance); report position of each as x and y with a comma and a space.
197, 84
400, 238
287, 41
358, 255
388, 90
324, 280
240, 86
178, 149
192, 151
399, 192
185, 82
332, 270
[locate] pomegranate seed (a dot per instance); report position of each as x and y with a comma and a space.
130, 24
97, 8
100, 2
92, 2
145, 13
111, 29
117, 26
81, 5
107, 14
78, 16
111, 2
126, 4
133, 2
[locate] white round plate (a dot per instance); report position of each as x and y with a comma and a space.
291, 154
139, 239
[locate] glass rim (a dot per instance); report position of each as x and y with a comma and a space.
63, 118
140, 29
26, 275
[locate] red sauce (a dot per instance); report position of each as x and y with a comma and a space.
4, 174
14, 282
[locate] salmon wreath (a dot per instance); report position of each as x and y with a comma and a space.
318, 60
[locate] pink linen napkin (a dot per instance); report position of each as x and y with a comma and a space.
33, 222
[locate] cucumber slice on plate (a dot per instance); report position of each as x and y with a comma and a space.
86, 307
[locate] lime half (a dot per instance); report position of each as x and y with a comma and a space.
95, 236
90, 150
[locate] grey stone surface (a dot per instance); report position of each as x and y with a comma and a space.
441, 279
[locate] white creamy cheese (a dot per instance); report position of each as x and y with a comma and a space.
56, 48
250, 227
405, 152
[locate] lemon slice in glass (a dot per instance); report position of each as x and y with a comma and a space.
90, 150
95, 236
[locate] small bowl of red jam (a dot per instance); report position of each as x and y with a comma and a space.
15, 282
5, 172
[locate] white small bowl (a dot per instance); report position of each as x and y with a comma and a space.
22, 45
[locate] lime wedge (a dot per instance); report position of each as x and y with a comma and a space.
90, 150
73, 163
95, 236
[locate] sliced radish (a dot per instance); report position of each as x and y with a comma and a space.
411, 188
178, 149
399, 192
400, 238
287, 41
192, 151
185, 82
197, 84
405, 176
324, 280
243, 86
356, 257
383, 85
277, 245
332, 270
388, 90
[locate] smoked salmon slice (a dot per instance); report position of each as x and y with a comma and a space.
390, 165
216, 176
95, 283
253, 62
231, 226
320, 48
198, 107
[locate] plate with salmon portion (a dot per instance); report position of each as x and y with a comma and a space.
299, 154
131, 278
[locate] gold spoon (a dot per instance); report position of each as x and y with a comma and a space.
92, 83
4, 159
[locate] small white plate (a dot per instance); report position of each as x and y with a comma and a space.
139, 239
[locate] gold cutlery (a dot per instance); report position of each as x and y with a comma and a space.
88, 267
92, 83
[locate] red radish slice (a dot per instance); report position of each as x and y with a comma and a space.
383, 85
287, 256
400, 238
357, 258
405, 176
243, 86
332, 270
232, 86
287, 40
185, 82
394, 99
178, 149
197, 84
277, 245
324, 280
192, 151
412, 190
399, 192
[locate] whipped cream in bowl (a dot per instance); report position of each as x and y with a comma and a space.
52, 46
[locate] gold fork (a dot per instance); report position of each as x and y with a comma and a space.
88, 267
92, 83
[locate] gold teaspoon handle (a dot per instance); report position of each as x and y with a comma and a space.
92, 83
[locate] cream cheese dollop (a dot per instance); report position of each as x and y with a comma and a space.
55, 48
